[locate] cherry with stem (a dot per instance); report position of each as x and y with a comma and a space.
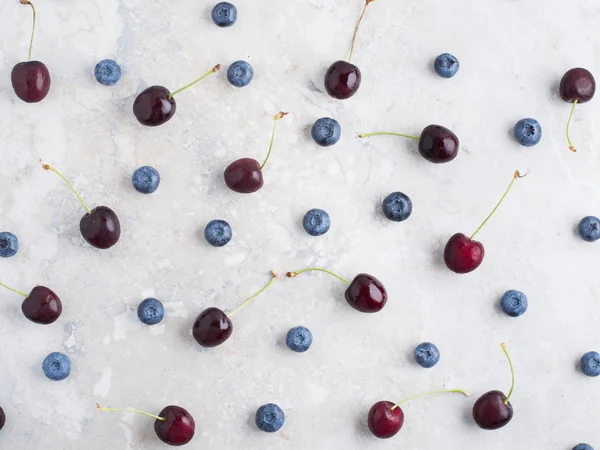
41, 305
576, 86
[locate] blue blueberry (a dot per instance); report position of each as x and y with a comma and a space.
299, 339
218, 233
240, 74
446, 65
528, 132
583, 447
150, 311
9, 244
326, 131
316, 222
514, 303
269, 418
57, 366
224, 14
397, 207
145, 179
589, 228
590, 364
427, 355
107, 72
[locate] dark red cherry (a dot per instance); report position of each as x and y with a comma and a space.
490, 412
342, 80
577, 84
101, 228
366, 294
383, 422
438, 144
153, 106
42, 306
177, 429
244, 176
212, 327
2, 418
30, 81
462, 254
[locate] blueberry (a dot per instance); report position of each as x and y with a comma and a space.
107, 72
299, 339
57, 366
528, 132
446, 65
589, 228
240, 74
583, 447
9, 244
590, 364
427, 355
397, 207
326, 131
514, 303
151, 311
316, 222
218, 233
224, 14
145, 179
269, 418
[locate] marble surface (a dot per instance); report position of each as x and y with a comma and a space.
512, 53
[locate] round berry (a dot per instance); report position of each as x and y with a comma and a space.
583, 447
514, 303
589, 228
316, 222
590, 364
107, 72
224, 14
218, 233
150, 311
57, 366
240, 74
397, 207
446, 65
427, 355
9, 244
269, 418
326, 131
528, 132
146, 179
299, 339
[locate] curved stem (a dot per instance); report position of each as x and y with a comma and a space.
210, 72
27, 2
14, 290
367, 2
381, 133
573, 149
512, 373
265, 287
515, 176
100, 408
318, 269
429, 393
278, 116
52, 169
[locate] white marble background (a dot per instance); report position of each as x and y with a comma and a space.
512, 54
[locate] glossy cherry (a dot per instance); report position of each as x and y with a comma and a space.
576, 86
2, 418
41, 306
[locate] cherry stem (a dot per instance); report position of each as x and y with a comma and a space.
318, 269
52, 169
381, 133
512, 373
27, 2
210, 72
265, 287
515, 177
573, 149
100, 408
280, 115
367, 2
14, 290
429, 393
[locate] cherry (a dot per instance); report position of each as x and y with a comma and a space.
2, 418
173, 425
41, 306
365, 293
100, 227
155, 105
577, 86
493, 410
463, 254
30, 79
342, 79
245, 175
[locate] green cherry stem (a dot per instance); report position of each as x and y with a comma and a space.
280, 115
210, 72
381, 133
14, 290
516, 176
367, 3
52, 169
573, 149
460, 391
318, 269
512, 373
101, 409
265, 287
27, 2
